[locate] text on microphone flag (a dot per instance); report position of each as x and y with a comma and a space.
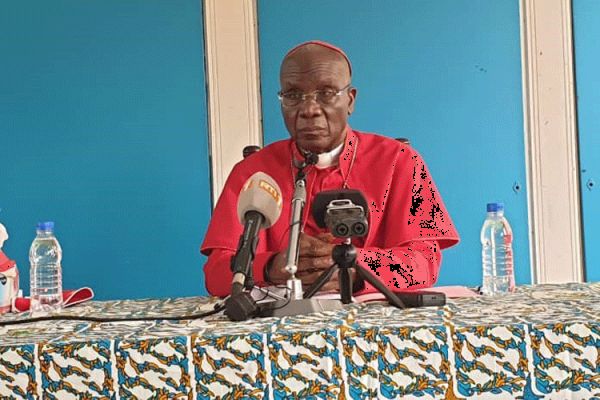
266, 186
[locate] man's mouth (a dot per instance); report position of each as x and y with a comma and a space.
311, 131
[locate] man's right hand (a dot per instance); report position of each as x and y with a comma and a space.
314, 258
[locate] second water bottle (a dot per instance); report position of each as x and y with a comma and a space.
496, 252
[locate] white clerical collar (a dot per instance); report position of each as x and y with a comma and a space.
329, 158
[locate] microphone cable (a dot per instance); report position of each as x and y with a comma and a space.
287, 298
217, 309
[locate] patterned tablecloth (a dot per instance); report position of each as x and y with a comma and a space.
541, 342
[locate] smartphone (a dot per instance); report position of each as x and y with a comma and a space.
421, 298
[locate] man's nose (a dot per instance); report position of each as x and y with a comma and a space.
309, 107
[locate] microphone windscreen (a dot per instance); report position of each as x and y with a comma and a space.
262, 194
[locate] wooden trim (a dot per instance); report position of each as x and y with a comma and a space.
551, 141
233, 86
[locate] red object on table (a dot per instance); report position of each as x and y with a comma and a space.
70, 298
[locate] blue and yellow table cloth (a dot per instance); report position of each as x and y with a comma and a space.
541, 342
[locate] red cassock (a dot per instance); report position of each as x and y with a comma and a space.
408, 222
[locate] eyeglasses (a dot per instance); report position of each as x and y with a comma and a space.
293, 98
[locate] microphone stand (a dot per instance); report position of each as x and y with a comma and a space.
294, 284
344, 256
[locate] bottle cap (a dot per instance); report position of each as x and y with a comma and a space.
494, 207
47, 226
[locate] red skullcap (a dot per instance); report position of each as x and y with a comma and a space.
323, 44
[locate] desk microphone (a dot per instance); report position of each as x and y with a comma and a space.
259, 207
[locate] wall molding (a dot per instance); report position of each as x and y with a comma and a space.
233, 84
551, 141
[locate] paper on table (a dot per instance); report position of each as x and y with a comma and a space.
451, 292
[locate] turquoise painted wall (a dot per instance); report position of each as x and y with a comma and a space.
446, 74
103, 130
586, 15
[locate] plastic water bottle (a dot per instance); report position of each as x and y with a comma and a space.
496, 252
45, 275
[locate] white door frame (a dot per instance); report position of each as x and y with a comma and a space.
551, 141
233, 84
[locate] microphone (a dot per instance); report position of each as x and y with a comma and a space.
259, 206
324, 199
310, 158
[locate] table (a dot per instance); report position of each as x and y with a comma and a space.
540, 342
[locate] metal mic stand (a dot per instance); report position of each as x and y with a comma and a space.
294, 284
344, 256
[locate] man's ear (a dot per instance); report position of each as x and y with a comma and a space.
352, 92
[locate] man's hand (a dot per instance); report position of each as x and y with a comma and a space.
314, 259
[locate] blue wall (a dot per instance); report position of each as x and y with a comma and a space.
586, 15
103, 130
446, 74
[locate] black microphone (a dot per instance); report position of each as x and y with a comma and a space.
241, 262
323, 200
259, 206
310, 158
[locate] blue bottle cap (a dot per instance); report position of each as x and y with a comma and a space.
47, 226
494, 207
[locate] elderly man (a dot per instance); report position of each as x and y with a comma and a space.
408, 223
